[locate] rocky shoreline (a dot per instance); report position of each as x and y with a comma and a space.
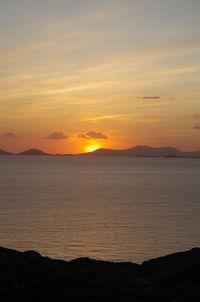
27, 276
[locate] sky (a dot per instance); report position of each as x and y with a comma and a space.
77, 75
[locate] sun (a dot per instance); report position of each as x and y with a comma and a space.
91, 148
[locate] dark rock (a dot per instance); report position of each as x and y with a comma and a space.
27, 276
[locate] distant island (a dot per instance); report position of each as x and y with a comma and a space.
137, 151
27, 276
34, 152
145, 151
2, 152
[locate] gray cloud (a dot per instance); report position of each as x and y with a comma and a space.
57, 136
92, 134
197, 127
83, 136
8, 135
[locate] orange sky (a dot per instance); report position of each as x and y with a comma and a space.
109, 74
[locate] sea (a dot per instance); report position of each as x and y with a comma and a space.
108, 208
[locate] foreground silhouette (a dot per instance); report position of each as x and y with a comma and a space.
27, 276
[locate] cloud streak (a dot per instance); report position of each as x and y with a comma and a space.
151, 97
104, 117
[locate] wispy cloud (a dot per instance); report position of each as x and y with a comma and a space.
197, 127
104, 117
92, 135
57, 136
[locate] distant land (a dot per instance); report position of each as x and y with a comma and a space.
33, 152
144, 151
137, 151
2, 152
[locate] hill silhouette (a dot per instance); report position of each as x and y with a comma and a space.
137, 151
2, 152
145, 151
34, 152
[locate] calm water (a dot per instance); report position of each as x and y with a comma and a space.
122, 209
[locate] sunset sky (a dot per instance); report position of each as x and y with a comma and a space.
83, 74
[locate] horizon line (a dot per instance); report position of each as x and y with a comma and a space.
81, 153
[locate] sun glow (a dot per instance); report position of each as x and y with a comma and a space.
91, 148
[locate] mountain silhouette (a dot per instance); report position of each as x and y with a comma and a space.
2, 152
137, 151
145, 151
33, 152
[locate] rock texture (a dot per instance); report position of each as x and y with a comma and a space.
27, 276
